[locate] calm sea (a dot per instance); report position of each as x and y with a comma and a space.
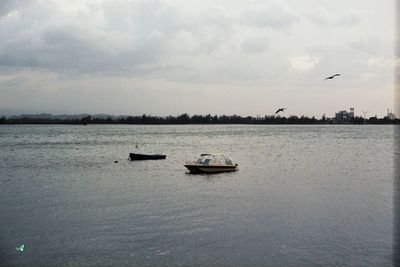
303, 196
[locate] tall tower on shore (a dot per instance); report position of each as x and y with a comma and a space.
351, 113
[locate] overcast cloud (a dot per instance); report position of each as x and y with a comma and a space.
218, 57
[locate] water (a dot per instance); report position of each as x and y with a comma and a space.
303, 195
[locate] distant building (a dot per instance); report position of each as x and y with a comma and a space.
390, 115
344, 116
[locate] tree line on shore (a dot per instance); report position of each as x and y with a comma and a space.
195, 119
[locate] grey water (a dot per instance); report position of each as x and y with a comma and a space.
303, 196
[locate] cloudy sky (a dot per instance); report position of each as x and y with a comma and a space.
165, 57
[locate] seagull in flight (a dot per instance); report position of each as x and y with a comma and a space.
333, 76
279, 110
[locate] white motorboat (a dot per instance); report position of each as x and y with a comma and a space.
211, 163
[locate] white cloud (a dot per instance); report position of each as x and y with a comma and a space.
383, 62
275, 15
323, 17
255, 44
319, 16
303, 63
348, 20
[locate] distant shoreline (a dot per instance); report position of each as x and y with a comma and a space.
294, 124
186, 119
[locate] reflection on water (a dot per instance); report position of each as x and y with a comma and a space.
303, 195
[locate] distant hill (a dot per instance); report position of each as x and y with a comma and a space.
48, 116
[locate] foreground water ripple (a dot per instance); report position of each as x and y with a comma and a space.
303, 196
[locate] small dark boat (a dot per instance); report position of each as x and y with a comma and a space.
135, 156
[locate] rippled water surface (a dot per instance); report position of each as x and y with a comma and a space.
303, 195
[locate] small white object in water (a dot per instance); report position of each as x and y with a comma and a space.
77, 147
20, 248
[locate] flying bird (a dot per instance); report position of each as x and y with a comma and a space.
279, 110
333, 76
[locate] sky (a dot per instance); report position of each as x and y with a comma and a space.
168, 57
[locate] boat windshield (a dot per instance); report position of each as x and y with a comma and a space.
211, 159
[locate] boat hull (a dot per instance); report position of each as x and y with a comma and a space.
210, 168
134, 156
